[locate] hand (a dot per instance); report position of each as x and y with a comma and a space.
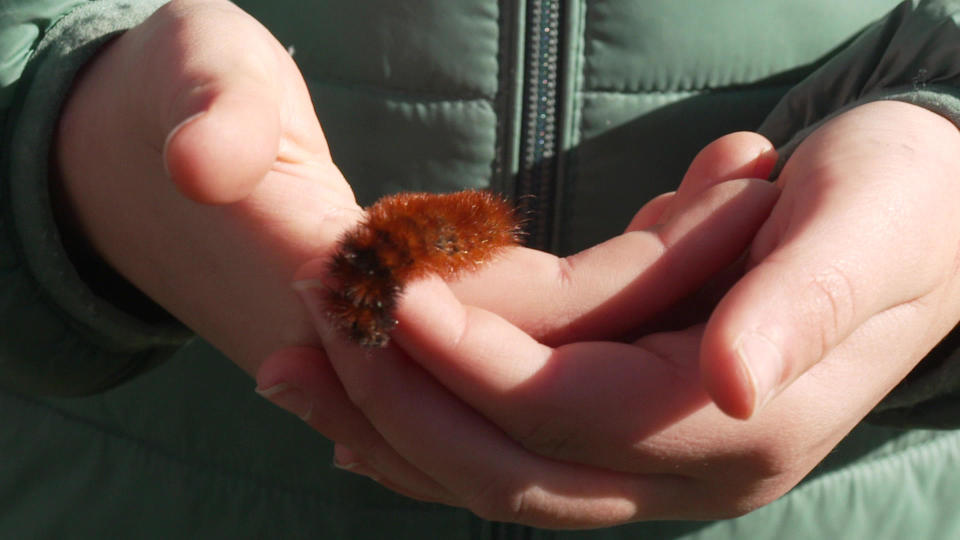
856, 267
691, 235
590, 434
210, 214
194, 163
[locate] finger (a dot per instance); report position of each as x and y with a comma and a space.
651, 213
609, 289
789, 311
301, 381
845, 247
218, 155
737, 155
734, 156
347, 459
602, 404
474, 460
589, 402
220, 119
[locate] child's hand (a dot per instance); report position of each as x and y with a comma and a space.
853, 279
193, 161
435, 433
858, 261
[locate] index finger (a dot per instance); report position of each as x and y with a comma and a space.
608, 290
578, 402
473, 459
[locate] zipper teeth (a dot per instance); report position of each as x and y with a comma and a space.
542, 110
540, 141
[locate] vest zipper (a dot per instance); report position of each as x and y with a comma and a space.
538, 151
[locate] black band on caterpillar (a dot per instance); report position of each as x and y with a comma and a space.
406, 236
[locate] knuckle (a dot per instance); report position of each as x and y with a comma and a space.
834, 303
759, 474
366, 393
548, 438
761, 494
769, 464
565, 273
362, 396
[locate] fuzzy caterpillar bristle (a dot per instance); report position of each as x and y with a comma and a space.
404, 237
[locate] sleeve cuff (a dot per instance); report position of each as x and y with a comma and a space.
98, 343
944, 101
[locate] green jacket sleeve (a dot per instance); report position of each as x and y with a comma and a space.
56, 334
911, 55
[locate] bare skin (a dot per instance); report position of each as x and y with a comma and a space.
191, 155
592, 433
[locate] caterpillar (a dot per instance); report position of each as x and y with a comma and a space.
404, 237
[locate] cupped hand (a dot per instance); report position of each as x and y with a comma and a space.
194, 164
860, 251
851, 281
673, 245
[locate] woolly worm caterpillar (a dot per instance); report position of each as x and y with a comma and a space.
406, 236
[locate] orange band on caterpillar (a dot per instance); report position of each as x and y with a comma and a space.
406, 236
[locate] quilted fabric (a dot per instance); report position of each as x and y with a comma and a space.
436, 95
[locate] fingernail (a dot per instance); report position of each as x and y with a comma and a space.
765, 163
347, 460
344, 457
311, 294
764, 366
288, 398
176, 129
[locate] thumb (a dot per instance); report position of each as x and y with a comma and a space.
834, 269
218, 101
218, 155
849, 239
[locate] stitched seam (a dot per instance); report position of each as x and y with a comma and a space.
384, 92
684, 89
627, 93
591, 94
